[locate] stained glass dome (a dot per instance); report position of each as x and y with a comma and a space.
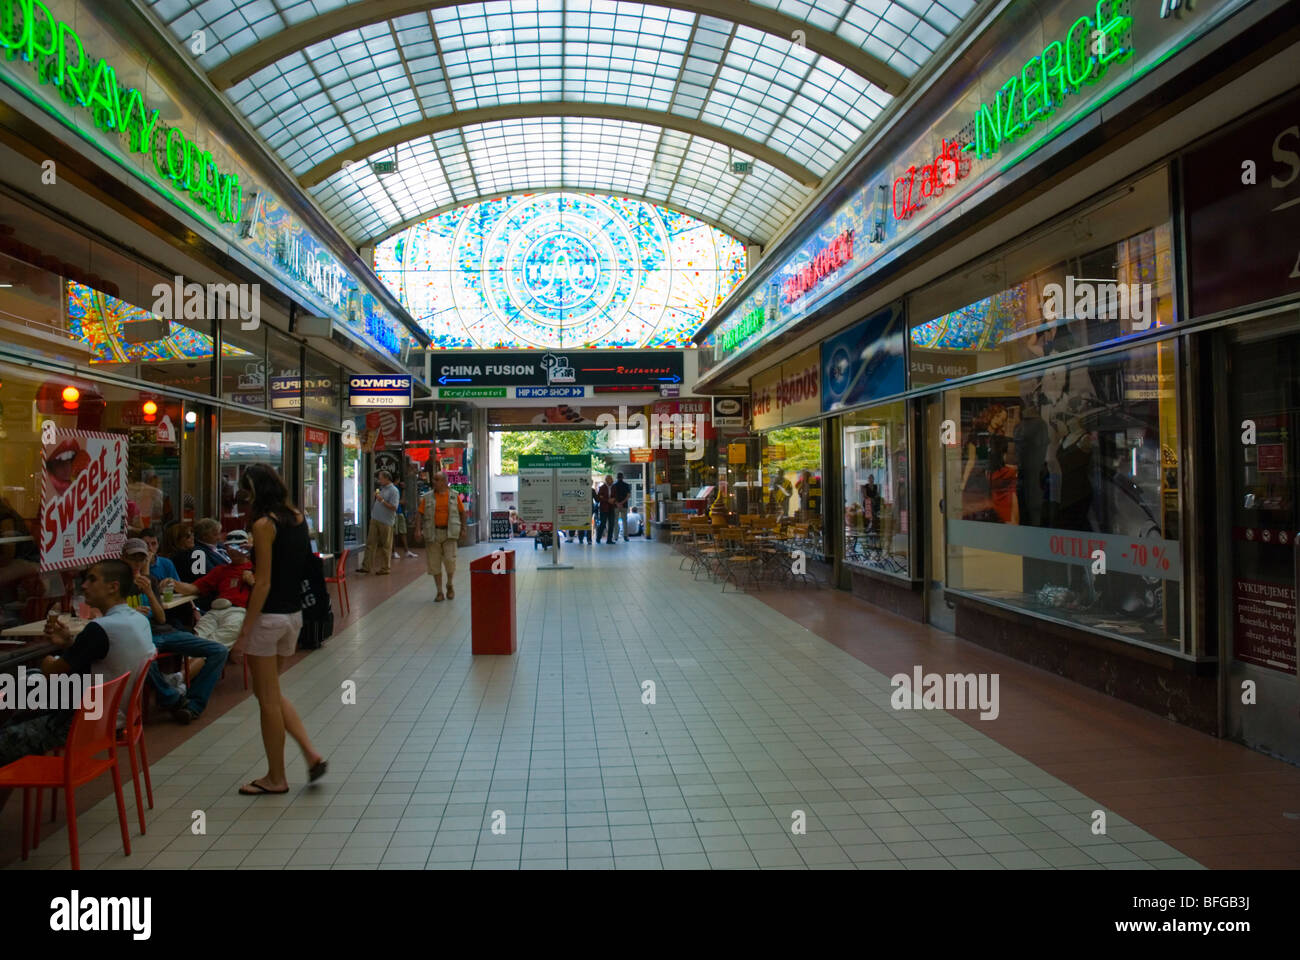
560, 270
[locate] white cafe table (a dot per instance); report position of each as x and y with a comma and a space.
37, 629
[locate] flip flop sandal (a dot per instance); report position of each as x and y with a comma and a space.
318, 770
257, 789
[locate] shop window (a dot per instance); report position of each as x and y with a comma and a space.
877, 516
322, 390
243, 367
317, 487
284, 363
1061, 491
354, 489
1099, 274
1263, 447
787, 483
53, 424
246, 438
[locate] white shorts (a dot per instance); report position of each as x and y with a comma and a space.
275, 634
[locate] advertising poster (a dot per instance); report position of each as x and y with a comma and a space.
501, 525
573, 490
535, 494
1264, 624
864, 362
83, 499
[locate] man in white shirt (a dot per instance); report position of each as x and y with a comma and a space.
379, 538
107, 647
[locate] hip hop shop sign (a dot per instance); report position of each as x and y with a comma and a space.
83, 498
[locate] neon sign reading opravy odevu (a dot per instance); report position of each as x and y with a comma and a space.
1064, 67
54, 50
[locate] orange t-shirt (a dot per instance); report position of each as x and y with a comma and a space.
441, 508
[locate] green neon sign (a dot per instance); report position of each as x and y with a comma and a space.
56, 53
750, 324
1063, 68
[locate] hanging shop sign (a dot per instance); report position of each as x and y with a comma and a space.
641, 455
641, 368
387, 390
470, 393
1032, 90
728, 412
1242, 197
865, 362
83, 499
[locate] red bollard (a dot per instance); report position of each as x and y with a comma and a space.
492, 604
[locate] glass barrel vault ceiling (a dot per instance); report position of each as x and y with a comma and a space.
557, 270
477, 99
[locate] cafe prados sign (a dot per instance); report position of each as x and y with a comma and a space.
55, 52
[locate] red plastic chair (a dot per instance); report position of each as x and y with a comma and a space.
129, 736
88, 737
340, 580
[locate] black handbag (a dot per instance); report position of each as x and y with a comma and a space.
317, 614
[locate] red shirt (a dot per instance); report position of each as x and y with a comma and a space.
227, 582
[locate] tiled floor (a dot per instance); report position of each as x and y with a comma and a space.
755, 721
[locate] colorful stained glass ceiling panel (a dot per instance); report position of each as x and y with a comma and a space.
560, 270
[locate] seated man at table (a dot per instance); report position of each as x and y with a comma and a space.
207, 541
108, 646
169, 638
160, 567
227, 589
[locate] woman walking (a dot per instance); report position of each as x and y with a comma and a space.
281, 545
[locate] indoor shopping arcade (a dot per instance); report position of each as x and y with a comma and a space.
594, 434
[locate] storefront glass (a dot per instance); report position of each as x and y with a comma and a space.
243, 367
53, 422
245, 438
353, 474
284, 363
1061, 491
322, 390
1099, 274
877, 519
792, 473
317, 492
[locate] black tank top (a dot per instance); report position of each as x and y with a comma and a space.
289, 552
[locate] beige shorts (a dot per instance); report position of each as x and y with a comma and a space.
275, 634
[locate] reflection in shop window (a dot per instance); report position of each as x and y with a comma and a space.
877, 523
1063, 494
